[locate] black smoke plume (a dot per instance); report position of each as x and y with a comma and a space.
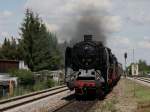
90, 22
87, 20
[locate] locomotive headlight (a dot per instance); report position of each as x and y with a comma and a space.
86, 47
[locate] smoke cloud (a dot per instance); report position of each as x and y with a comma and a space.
71, 19
87, 21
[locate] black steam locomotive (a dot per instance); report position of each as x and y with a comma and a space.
90, 67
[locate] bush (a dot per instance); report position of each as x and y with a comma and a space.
39, 86
50, 83
25, 76
44, 84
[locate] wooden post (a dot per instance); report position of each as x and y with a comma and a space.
10, 87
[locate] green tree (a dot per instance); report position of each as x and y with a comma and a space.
1, 54
38, 46
143, 67
28, 35
56, 60
5, 49
20, 50
62, 49
13, 52
9, 49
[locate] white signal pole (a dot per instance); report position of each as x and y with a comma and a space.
133, 55
133, 73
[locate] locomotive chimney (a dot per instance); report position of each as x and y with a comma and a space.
87, 38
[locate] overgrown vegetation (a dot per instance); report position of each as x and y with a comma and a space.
144, 68
140, 93
27, 82
108, 106
25, 77
143, 94
44, 84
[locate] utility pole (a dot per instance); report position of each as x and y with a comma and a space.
133, 76
125, 57
133, 55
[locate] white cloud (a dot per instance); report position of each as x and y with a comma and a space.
145, 43
119, 41
65, 5
119, 45
5, 17
4, 34
139, 19
5, 14
137, 11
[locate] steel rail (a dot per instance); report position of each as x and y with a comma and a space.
30, 94
143, 79
16, 102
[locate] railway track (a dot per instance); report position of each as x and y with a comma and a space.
60, 107
25, 99
144, 79
76, 106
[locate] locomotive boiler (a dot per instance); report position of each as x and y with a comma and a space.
91, 68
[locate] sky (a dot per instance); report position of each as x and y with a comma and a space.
127, 22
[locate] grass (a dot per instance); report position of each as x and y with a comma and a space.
132, 95
109, 106
140, 93
106, 106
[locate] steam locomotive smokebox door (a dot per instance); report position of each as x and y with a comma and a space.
87, 38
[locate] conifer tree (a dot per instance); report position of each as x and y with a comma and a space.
9, 49
37, 45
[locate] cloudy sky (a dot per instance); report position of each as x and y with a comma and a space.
126, 22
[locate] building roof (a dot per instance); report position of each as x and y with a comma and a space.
5, 60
